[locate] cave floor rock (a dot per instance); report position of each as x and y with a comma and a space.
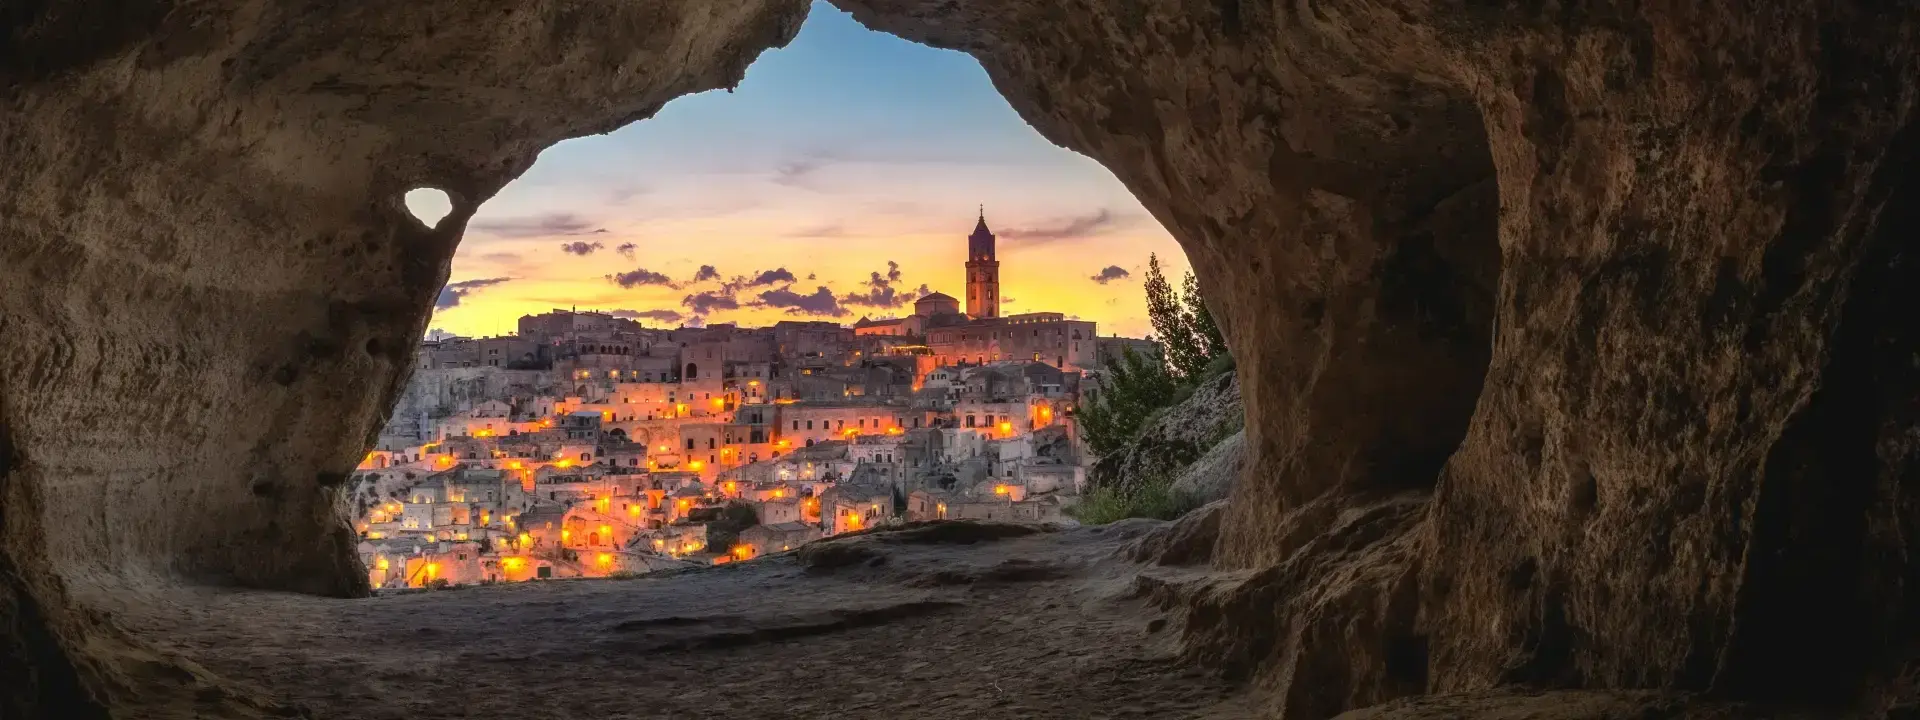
885, 625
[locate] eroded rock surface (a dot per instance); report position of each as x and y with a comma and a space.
1575, 338
1171, 446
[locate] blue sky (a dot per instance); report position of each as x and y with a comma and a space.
844, 151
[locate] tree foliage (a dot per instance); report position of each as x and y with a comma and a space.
1135, 386
734, 519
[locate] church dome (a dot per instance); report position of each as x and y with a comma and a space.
937, 303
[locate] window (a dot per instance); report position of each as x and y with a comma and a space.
689, 443
709, 443
796, 424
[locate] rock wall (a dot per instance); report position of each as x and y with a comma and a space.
1614, 286
1573, 337
210, 290
1177, 438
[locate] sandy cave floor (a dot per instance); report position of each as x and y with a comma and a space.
1042, 625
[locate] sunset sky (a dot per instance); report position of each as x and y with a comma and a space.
837, 155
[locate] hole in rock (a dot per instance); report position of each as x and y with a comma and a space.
428, 205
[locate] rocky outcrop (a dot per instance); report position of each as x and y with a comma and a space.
210, 289
1574, 338
1171, 444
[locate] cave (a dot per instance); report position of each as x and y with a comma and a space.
1575, 337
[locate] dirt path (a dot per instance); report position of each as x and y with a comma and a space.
890, 625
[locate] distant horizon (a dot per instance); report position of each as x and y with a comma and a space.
840, 179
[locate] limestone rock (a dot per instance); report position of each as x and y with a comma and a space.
1177, 437
1212, 476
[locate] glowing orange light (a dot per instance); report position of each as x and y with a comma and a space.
731, 486
1006, 427
525, 539
663, 448
604, 559
782, 443
606, 531
779, 493
695, 464
743, 551
659, 543
515, 465
606, 503
606, 414
446, 460
633, 510
382, 563
895, 430
566, 535
753, 383
512, 563
684, 504
680, 408
719, 402
1001, 490
563, 464
433, 569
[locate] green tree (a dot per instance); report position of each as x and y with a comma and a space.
725, 530
1165, 310
1135, 386
1200, 322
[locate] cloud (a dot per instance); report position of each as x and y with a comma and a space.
759, 279
707, 272
623, 193
1109, 274
504, 258
532, 226
827, 230
661, 315
640, 276
451, 294
811, 276
626, 250
821, 303
797, 173
706, 302
438, 334
880, 292
1007, 300
1070, 228
581, 248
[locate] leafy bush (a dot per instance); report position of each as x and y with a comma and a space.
1150, 498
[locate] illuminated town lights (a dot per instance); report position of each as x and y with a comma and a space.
695, 465
382, 563
1002, 490
604, 559
563, 463
1006, 427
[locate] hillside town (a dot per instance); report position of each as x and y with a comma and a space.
588, 445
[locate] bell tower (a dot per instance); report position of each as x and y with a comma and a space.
983, 272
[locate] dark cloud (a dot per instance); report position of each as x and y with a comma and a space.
640, 276
1004, 300
661, 315
626, 250
451, 294
707, 302
811, 276
797, 173
581, 247
880, 292
759, 279
438, 334
1071, 228
821, 303
707, 272
536, 226
1109, 274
